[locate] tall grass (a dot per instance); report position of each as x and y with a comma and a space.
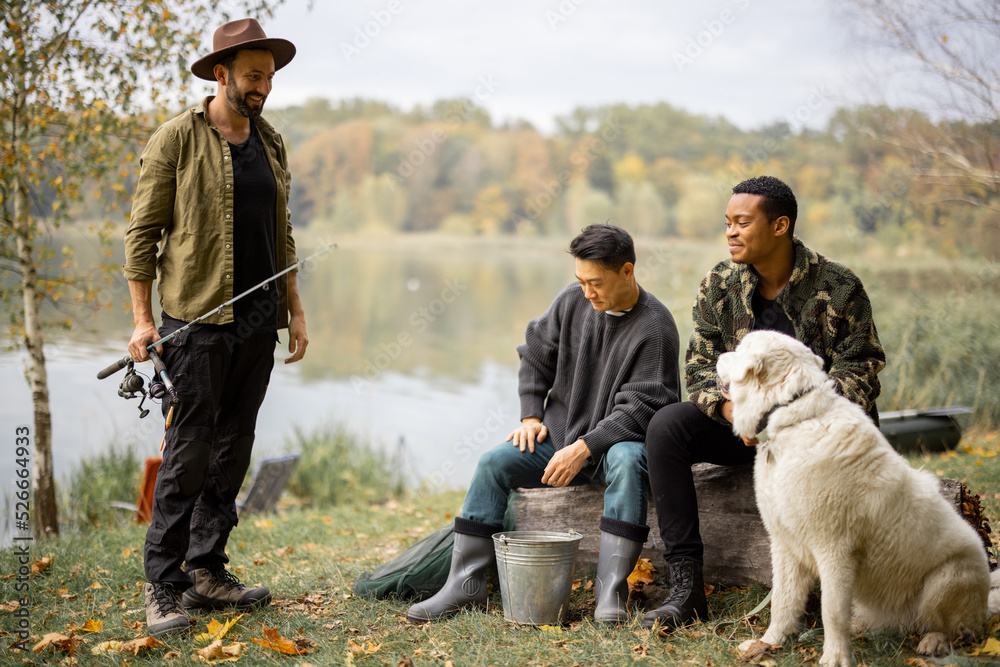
940, 328
86, 494
336, 467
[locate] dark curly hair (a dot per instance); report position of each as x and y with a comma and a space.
606, 245
777, 198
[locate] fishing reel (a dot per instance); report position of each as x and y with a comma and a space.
134, 383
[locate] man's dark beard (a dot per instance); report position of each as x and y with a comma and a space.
238, 103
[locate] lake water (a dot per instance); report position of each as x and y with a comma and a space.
414, 339
410, 339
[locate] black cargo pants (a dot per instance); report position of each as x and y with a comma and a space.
221, 373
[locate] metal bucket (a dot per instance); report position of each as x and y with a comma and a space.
536, 574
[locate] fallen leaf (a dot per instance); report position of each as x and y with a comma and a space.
577, 584
170, 655
41, 564
217, 630
263, 523
554, 629
753, 650
90, 625
990, 647
285, 551
55, 641
276, 642
96, 586
216, 652
915, 662
110, 646
139, 644
11, 606
405, 662
127, 552
365, 647
642, 573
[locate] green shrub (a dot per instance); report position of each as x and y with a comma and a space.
89, 489
335, 468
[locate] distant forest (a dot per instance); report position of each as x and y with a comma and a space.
364, 166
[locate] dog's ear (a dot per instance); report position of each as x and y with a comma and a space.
759, 364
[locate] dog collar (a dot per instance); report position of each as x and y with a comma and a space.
762, 435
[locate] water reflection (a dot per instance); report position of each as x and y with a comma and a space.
415, 337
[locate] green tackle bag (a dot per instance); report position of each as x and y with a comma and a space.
420, 571
415, 574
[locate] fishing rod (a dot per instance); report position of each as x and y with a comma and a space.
221, 308
161, 385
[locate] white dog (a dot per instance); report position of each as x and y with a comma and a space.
841, 505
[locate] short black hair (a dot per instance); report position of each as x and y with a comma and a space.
606, 244
777, 198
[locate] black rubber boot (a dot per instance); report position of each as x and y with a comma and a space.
616, 560
466, 585
686, 601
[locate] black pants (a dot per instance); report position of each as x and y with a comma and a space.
221, 375
679, 436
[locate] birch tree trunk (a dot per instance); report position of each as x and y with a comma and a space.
46, 514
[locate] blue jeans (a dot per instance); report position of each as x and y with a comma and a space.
505, 467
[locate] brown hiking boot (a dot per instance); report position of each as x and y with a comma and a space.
164, 612
217, 588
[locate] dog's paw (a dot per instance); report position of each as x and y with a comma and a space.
934, 643
832, 658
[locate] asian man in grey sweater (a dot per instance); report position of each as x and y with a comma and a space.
595, 368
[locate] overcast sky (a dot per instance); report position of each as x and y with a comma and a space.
752, 61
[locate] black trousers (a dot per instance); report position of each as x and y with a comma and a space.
221, 373
679, 436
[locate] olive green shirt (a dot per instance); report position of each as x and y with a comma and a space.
184, 204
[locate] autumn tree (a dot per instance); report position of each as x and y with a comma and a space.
952, 44
80, 82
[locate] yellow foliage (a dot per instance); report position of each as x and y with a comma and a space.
630, 169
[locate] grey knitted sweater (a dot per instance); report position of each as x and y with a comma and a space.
587, 374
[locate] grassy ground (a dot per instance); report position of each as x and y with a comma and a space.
310, 558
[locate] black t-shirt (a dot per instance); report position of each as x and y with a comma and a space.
254, 234
768, 315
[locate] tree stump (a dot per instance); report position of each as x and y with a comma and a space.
737, 552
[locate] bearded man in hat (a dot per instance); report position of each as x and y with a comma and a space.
210, 220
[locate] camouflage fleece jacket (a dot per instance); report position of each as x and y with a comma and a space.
828, 307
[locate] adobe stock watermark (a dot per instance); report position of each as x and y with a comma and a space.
757, 157
714, 29
425, 147
420, 320
868, 218
659, 259
611, 129
464, 449
364, 34
563, 11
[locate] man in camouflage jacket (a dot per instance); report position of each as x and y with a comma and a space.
772, 281
827, 306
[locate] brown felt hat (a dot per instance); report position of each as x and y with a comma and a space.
242, 34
